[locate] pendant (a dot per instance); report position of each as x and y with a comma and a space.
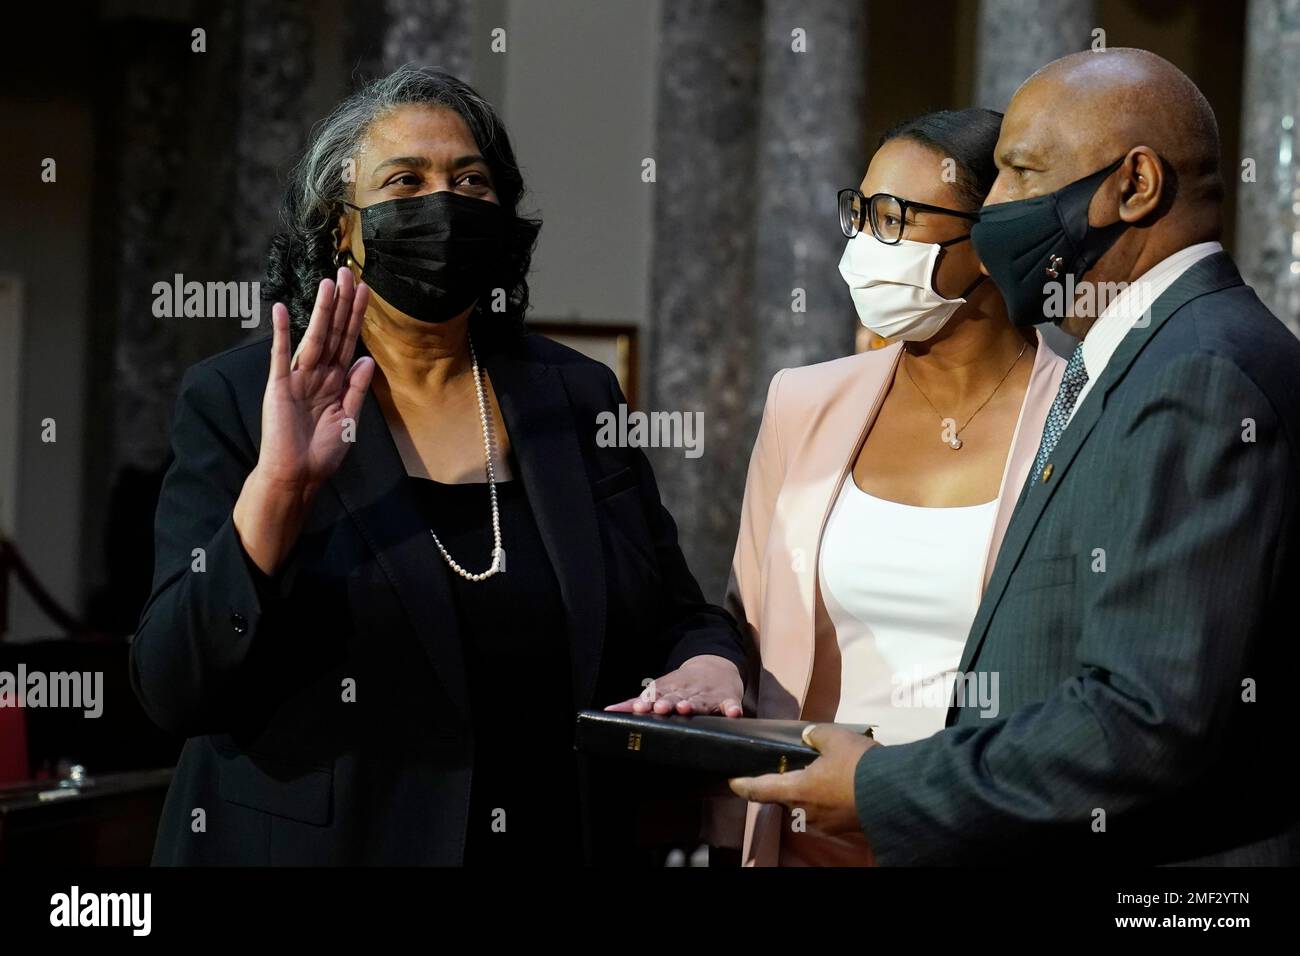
955, 443
499, 559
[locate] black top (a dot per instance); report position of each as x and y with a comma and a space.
523, 802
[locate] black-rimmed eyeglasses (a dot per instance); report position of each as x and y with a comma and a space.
887, 214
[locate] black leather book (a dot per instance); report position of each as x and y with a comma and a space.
721, 746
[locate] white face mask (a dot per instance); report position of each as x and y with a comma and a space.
890, 285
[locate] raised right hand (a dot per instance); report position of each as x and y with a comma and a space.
308, 401
305, 407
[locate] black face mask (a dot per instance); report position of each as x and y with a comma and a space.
432, 256
1029, 243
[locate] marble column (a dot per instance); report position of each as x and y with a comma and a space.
753, 139
811, 130
274, 117
196, 148
163, 126
146, 227
703, 331
1268, 186
192, 147
422, 33
1016, 37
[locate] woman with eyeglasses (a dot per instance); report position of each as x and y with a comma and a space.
881, 484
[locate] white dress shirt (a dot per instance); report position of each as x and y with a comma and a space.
1134, 302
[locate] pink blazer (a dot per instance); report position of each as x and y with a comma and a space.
813, 424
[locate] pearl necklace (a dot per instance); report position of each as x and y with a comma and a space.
489, 447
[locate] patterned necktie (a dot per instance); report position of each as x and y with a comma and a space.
1072, 382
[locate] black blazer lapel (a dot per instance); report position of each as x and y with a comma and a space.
372, 485
1209, 275
540, 421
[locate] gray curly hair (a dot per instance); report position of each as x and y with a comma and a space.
303, 255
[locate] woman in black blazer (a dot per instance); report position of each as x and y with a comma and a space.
375, 655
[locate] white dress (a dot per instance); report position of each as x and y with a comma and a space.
901, 584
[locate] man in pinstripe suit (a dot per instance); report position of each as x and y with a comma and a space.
1139, 621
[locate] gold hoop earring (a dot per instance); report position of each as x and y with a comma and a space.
342, 257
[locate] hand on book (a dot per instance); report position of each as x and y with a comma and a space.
705, 684
824, 789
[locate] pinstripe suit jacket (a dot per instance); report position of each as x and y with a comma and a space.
1138, 635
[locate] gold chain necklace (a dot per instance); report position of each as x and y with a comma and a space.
955, 441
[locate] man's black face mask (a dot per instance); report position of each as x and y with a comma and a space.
1029, 243
432, 256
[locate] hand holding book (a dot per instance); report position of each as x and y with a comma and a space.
824, 789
